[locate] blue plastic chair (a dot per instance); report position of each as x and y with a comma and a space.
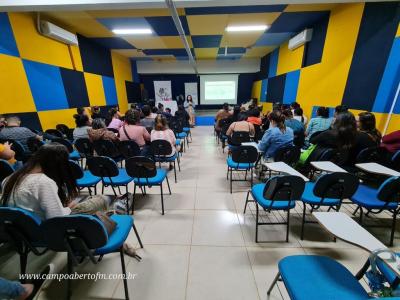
242, 159
375, 201
85, 236
21, 228
312, 277
144, 172
161, 151
6, 169
328, 191
278, 193
107, 169
84, 179
73, 154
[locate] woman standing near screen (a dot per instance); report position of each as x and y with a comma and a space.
189, 106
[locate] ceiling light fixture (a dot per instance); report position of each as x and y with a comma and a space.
246, 28
132, 31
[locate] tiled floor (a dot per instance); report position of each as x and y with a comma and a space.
203, 247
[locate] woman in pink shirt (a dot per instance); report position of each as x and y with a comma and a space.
131, 130
115, 123
162, 132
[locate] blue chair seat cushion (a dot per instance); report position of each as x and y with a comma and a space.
121, 179
74, 155
88, 179
312, 277
186, 129
166, 158
158, 179
258, 190
367, 197
309, 197
118, 237
178, 142
238, 166
181, 135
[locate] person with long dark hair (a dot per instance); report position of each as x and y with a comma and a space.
82, 125
114, 117
133, 131
367, 126
277, 136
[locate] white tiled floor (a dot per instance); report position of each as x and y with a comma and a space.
203, 247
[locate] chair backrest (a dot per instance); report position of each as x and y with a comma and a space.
224, 125
160, 148
299, 138
245, 154
75, 231
5, 170
19, 223
140, 167
66, 143
84, 147
389, 191
65, 130
239, 137
395, 161
258, 133
102, 166
106, 148
76, 169
284, 188
175, 125
368, 155
21, 153
129, 149
55, 132
289, 155
34, 144
338, 185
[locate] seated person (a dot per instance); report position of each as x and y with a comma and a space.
167, 113
100, 132
254, 117
391, 141
15, 290
160, 107
367, 127
14, 131
115, 122
321, 122
3, 122
7, 153
82, 125
148, 120
183, 115
222, 114
299, 115
96, 113
241, 125
296, 125
133, 131
276, 137
234, 117
154, 112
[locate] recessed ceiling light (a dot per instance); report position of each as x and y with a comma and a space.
132, 31
246, 28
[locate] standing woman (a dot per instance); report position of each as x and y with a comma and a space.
189, 105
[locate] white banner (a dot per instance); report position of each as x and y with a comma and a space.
162, 90
191, 89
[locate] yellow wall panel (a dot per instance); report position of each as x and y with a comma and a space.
15, 95
309, 7
394, 124
325, 82
289, 60
398, 31
133, 13
207, 24
49, 119
206, 52
33, 46
76, 56
94, 85
122, 72
256, 90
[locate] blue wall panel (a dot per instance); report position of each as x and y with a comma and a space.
273, 63
291, 85
46, 86
313, 50
110, 90
7, 42
276, 88
264, 89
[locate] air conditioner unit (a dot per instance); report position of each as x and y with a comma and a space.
57, 33
300, 39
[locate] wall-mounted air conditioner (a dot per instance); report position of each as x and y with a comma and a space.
57, 33
300, 39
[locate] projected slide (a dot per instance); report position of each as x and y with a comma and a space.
217, 89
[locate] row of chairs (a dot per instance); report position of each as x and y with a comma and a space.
280, 193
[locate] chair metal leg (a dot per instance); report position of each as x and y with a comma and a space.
303, 221
287, 226
227, 173
169, 188
175, 172
362, 271
179, 163
95, 189
355, 211
256, 222
102, 188
23, 261
393, 228
69, 271
162, 199
121, 253
137, 235
231, 179
251, 177
360, 220
273, 283
247, 201
133, 199
90, 191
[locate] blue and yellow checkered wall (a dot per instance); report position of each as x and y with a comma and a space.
353, 59
44, 81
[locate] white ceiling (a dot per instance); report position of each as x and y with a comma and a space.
43, 5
